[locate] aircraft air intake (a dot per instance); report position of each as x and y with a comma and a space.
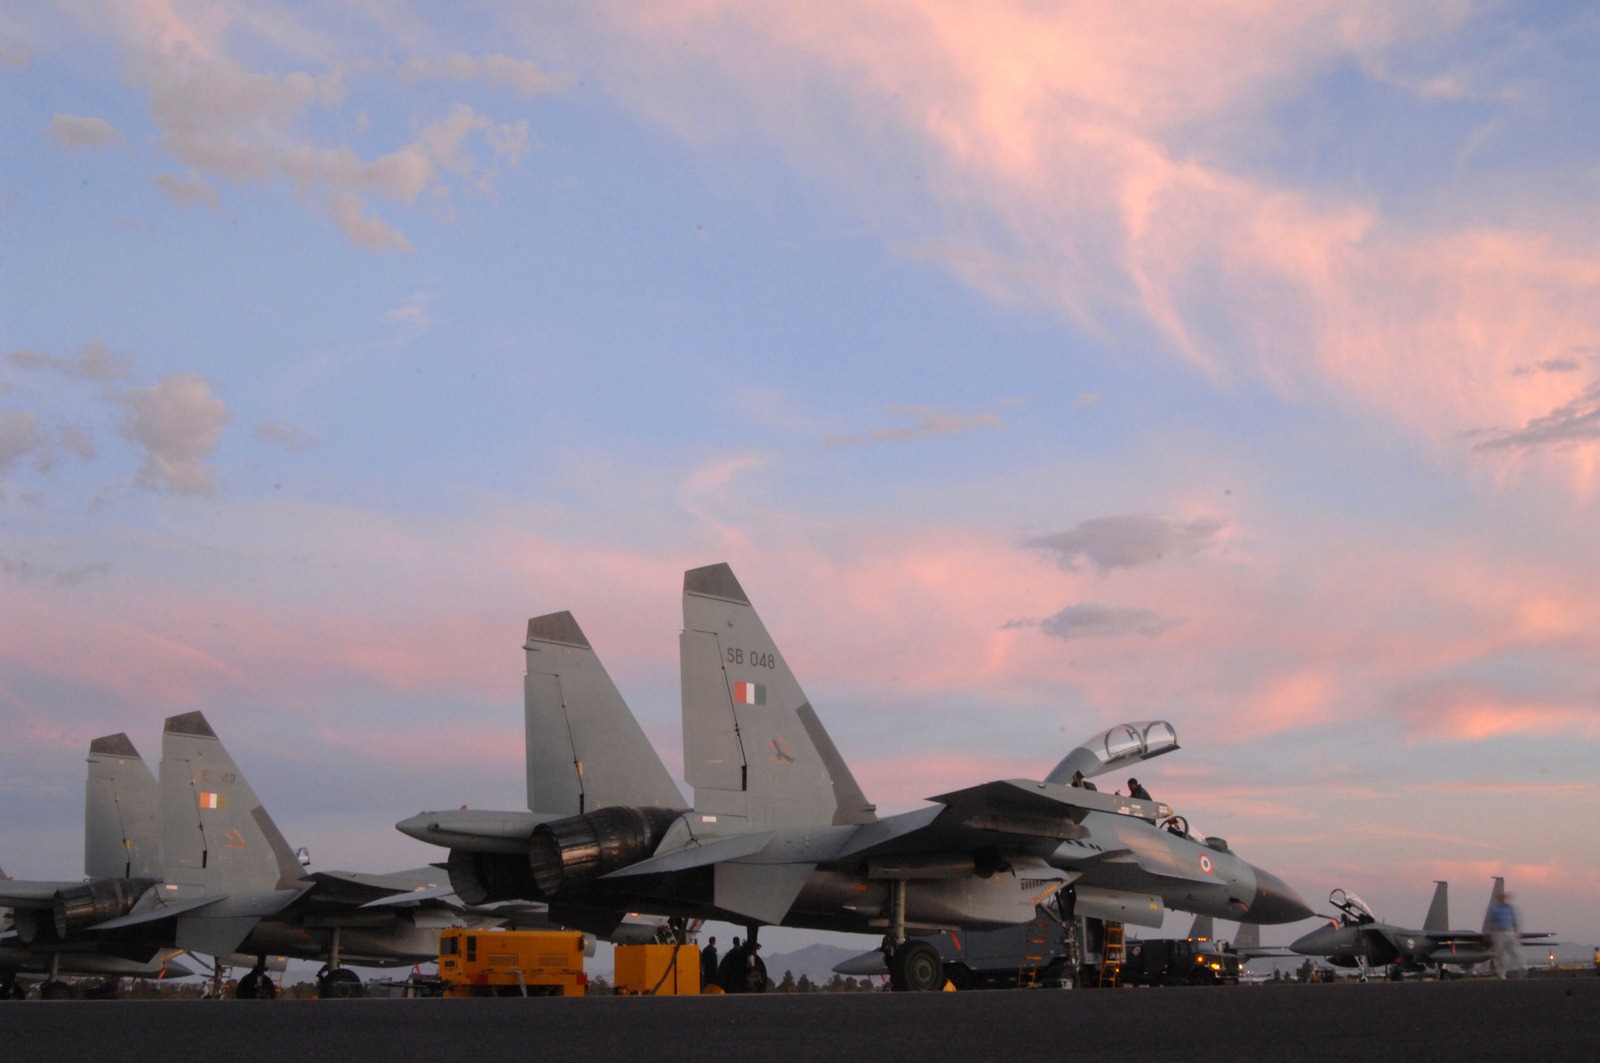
97, 902
581, 848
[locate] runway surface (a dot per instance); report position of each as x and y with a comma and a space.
1467, 1020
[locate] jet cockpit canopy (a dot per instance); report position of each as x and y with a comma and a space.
1116, 747
1356, 910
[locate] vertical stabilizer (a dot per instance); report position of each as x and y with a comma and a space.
1439, 910
215, 834
1204, 928
585, 749
121, 813
753, 747
1247, 938
1497, 895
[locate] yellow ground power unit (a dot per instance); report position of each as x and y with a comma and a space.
650, 970
508, 963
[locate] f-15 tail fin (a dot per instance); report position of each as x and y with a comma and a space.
1439, 910
753, 746
121, 813
215, 834
586, 751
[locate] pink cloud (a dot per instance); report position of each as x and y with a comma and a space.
1052, 139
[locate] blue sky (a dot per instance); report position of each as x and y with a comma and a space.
1035, 369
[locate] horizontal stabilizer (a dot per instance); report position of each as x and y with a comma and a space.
154, 913
692, 856
16, 893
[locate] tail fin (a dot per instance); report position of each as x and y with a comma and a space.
585, 749
121, 813
752, 744
215, 834
1247, 937
1497, 895
1203, 928
1439, 911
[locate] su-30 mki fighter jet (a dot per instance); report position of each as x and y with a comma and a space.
1357, 938
780, 833
195, 862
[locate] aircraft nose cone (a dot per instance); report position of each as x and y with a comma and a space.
1316, 943
1275, 901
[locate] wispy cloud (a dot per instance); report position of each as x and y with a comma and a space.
1131, 541
927, 422
1569, 425
1089, 620
73, 132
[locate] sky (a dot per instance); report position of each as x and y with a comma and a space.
1036, 367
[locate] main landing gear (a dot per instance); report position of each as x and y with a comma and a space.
914, 966
258, 984
741, 970
335, 982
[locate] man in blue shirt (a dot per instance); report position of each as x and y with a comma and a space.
1504, 939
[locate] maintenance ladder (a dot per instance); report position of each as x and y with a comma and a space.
1033, 950
1111, 957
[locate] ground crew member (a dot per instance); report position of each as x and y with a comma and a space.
1137, 791
1504, 939
708, 963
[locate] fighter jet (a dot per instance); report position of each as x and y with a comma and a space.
780, 833
195, 862
1357, 938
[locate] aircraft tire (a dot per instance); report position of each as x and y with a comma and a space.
916, 967
56, 991
256, 986
341, 983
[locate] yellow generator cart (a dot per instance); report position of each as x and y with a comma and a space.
658, 970
509, 963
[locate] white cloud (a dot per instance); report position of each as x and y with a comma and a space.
927, 421
189, 190
1089, 620
1128, 541
177, 423
73, 132
20, 436
520, 75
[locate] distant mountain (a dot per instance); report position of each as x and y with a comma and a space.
816, 962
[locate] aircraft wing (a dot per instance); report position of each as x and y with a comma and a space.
359, 889
1013, 814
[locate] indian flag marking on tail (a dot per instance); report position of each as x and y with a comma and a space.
749, 694
210, 800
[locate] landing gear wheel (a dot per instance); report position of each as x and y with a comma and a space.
916, 967
341, 983
56, 991
257, 985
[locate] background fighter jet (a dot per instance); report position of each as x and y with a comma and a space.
1358, 939
16, 959
780, 832
195, 862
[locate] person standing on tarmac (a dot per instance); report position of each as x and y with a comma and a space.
708, 963
1504, 939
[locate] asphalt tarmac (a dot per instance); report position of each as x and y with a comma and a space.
1550, 1019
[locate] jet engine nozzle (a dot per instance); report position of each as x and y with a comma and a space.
483, 878
581, 848
100, 901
